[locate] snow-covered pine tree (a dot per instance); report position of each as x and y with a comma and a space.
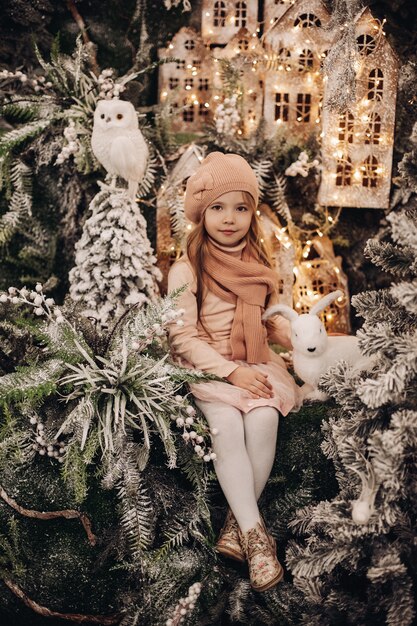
356, 559
115, 265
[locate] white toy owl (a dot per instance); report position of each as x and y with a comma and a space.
118, 143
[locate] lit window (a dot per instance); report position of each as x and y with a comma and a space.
305, 20
173, 82
343, 172
203, 84
240, 14
330, 313
373, 130
303, 107
346, 127
189, 44
375, 85
282, 107
318, 286
188, 112
370, 172
219, 15
306, 60
203, 110
366, 44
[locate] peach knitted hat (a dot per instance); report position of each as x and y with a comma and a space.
218, 173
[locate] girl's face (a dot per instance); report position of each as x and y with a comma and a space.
227, 219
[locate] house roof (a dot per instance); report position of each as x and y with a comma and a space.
291, 6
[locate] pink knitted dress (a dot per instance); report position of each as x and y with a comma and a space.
193, 347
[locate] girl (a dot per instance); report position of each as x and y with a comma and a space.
229, 282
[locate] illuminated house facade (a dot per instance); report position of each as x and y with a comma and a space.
295, 45
357, 145
282, 81
187, 84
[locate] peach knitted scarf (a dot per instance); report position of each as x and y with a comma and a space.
245, 282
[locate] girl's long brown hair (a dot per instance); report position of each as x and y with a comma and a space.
197, 249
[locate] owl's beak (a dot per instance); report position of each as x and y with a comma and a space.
108, 119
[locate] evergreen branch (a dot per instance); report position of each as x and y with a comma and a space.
19, 114
17, 137
393, 382
278, 200
179, 533
391, 258
263, 171
406, 295
310, 562
31, 383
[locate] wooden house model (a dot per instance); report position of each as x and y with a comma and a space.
295, 45
186, 84
357, 144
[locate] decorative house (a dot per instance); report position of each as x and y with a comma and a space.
316, 278
295, 45
186, 84
245, 51
171, 223
358, 144
221, 19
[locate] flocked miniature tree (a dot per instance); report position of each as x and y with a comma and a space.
356, 557
115, 266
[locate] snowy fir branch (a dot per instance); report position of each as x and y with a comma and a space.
110, 398
371, 442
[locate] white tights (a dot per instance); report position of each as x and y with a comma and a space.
245, 448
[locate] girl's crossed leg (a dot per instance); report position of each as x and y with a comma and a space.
245, 449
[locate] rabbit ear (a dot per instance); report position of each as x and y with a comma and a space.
281, 309
325, 301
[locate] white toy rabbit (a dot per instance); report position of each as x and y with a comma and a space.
313, 351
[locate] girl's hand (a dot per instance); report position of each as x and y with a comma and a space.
253, 381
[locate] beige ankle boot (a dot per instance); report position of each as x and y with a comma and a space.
265, 571
229, 541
